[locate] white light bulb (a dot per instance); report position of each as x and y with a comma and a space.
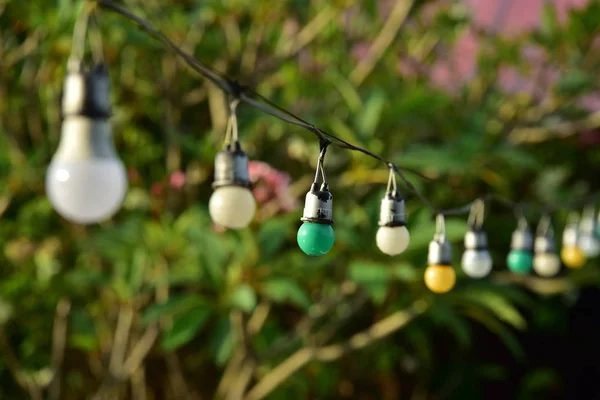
546, 264
86, 182
232, 206
589, 244
392, 240
476, 263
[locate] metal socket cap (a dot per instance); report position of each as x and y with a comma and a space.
231, 168
87, 93
522, 239
570, 235
393, 211
476, 240
544, 244
318, 206
440, 252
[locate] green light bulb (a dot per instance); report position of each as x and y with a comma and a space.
520, 261
315, 239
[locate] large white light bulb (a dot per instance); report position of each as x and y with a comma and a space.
392, 236
476, 263
546, 264
232, 204
86, 182
589, 244
392, 240
232, 207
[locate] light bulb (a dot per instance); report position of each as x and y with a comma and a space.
440, 278
573, 257
315, 239
439, 275
315, 236
520, 261
392, 240
520, 258
589, 244
546, 264
476, 263
476, 260
232, 207
587, 240
232, 204
392, 236
571, 254
86, 182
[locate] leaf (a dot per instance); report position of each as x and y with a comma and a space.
185, 326
444, 315
374, 278
368, 119
244, 297
495, 303
175, 304
222, 341
272, 236
507, 337
282, 289
82, 331
369, 272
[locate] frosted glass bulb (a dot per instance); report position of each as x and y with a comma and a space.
590, 245
392, 240
546, 264
86, 182
476, 263
232, 207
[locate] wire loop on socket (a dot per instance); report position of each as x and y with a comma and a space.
476, 215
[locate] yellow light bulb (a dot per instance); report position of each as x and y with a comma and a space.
572, 256
440, 278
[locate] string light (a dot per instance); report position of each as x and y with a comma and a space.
315, 236
571, 254
439, 275
86, 182
588, 242
545, 262
392, 236
232, 204
520, 258
476, 260
73, 180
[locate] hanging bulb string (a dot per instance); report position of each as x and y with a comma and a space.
392, 187
544, 227
96, 37
440, 227
251, 97
476, 215
231, 131
79, 35
323, 144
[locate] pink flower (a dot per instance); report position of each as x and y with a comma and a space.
157, 189
270, 185
177, 179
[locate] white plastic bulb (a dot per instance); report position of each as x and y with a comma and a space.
589, 244
232, 207
546, 264
476, 263
392, 240
86, 182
